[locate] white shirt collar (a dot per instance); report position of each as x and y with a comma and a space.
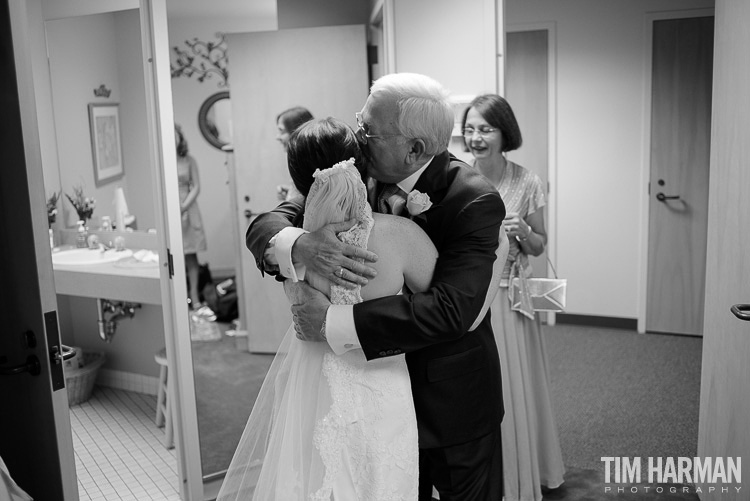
408, 184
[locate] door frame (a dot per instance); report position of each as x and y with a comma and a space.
25, 15
645, 174
382, 18
158, 83
551, 216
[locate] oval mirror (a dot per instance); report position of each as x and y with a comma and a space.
215, 119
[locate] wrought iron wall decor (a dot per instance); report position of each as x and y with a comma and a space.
202, 59
102, 91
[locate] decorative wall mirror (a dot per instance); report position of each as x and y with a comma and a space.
215, 119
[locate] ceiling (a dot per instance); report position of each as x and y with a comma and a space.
196, 9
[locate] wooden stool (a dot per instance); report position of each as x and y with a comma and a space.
163, 407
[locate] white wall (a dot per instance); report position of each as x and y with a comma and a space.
187, 95
453, 41
601, 177
85, 52
135, 140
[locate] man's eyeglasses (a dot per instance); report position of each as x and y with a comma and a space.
363, 130
483, 131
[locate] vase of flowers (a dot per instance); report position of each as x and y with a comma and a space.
83, 205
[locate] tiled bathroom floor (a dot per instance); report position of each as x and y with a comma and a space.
119, 451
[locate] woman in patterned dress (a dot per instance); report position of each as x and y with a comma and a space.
532, 458
193, 234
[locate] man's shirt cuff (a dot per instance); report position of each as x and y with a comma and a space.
340, 330
283, 242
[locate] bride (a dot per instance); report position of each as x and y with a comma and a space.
327, 427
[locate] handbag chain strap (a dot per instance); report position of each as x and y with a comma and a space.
552, 266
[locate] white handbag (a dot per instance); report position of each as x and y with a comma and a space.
528, 295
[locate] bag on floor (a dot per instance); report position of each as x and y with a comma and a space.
222, 299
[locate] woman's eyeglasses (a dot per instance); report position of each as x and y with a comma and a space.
483, 131
363, 130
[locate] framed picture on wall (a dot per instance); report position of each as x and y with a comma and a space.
106, 145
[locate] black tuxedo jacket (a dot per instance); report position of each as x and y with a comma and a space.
455, 374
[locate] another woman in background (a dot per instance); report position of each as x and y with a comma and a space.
287, 122
193, 236
531, 448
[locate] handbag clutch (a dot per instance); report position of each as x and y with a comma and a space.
545, 294
528, 295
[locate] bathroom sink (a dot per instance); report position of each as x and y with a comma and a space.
83, 257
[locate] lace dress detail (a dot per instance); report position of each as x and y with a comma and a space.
327, 427
368, 439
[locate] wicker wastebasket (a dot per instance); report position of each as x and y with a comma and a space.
80, 381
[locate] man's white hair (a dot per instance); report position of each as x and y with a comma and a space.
424, 110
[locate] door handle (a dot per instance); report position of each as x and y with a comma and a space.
249, 214
662, 197
741, 311
32, 366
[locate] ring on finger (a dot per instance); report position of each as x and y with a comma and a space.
341, 272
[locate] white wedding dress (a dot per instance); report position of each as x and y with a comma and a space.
327, 427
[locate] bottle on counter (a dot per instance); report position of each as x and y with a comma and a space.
81, 239
106, 223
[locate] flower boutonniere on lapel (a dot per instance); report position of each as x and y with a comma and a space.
417, 202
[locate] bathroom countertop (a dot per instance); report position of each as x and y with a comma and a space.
110, 281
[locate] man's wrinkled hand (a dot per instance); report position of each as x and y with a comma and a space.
310, 314
323, 254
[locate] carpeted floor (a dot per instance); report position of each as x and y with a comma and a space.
615, 393
227, 381
620, 393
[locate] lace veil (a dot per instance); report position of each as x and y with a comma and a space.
276, 457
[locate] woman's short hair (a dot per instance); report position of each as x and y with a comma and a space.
319, 144
424, 109
294, 117
182, 146
499, 114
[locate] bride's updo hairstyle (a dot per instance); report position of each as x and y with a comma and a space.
319, 144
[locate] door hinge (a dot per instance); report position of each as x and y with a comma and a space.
648, 189
170, 263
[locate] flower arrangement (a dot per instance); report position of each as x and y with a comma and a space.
83, 205
52, 208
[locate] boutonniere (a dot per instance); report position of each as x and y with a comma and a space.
417, 202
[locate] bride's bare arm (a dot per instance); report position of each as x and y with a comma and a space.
407, 256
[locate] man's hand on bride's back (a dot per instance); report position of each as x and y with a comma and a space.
322, 253
309, 313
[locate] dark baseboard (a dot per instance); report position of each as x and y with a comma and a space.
596, 321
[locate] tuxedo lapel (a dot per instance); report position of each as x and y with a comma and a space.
434, 180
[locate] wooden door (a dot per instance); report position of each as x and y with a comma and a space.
322, 69
526, 89
725, 372
35, 438
680, 147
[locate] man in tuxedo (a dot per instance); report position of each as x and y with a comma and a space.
405, 127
